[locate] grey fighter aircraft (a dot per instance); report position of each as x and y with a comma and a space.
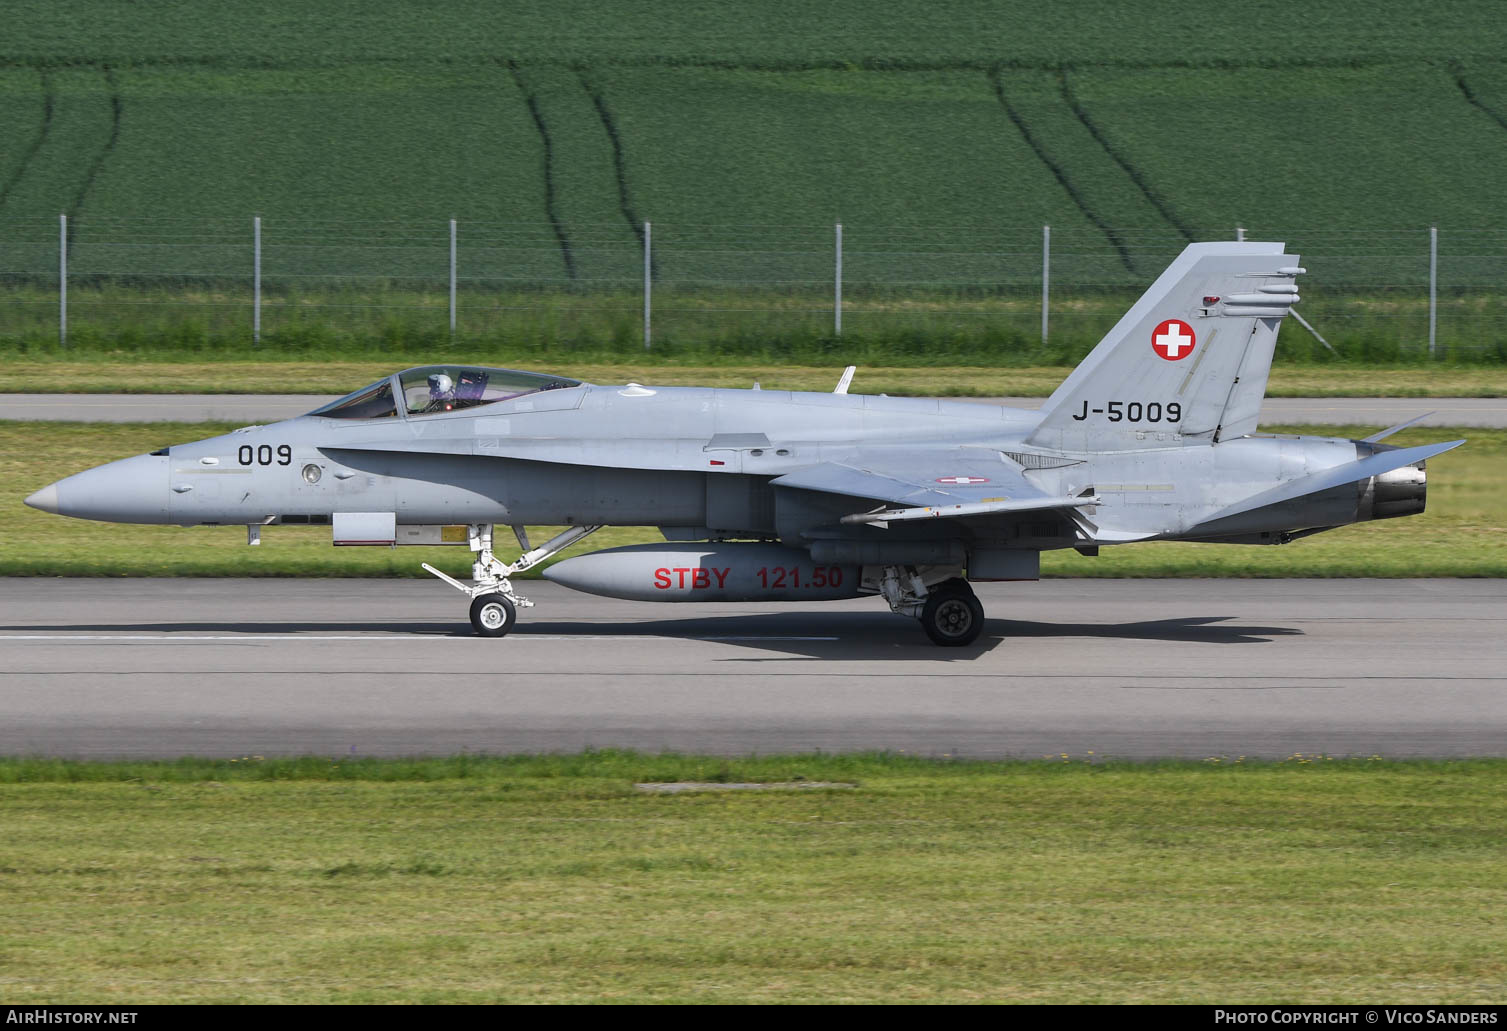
773, 495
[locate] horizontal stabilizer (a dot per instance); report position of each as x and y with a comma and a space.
1384, 434
1338, 476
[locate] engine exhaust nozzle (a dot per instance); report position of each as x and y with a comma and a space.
1398, 492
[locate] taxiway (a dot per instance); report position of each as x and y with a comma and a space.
1081, 668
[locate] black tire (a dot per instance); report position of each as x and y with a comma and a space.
492, 615
952, 616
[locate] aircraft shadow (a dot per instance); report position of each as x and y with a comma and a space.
867, 636
1192, 629
878, 636
447, 628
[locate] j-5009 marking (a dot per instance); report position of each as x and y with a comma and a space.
1133, 411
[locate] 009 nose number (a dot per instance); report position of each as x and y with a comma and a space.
264, 455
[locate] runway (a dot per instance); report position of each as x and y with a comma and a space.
258, 408
1115, 668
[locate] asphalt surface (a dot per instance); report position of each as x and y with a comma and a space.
258, 408
1133, 668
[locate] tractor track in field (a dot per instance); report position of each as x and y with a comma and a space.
551, 205
116, 105
1058, 172
619, 161
48, 101
1151, 195
1474, 100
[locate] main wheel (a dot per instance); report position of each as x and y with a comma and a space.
492, 615
952, 616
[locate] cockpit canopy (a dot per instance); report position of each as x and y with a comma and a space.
440, 388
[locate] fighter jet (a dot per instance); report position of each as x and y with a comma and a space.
774, 495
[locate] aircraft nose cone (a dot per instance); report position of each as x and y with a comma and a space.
45, 499
132, 490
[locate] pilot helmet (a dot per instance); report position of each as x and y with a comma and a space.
440, 385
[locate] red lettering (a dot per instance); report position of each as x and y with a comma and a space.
721, 577
662, 579
700, 578
682, 570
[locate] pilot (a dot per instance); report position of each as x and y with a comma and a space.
441, 393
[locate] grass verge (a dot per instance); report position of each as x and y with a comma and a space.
551, 879
1462, 533
115, 375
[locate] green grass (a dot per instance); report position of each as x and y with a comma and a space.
1461, 534
114, 322
282, 32
112, 374
550, 879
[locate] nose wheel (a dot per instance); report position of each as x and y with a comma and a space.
492, 615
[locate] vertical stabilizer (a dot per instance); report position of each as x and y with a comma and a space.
1188, 363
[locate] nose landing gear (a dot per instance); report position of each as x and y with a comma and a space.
494, 603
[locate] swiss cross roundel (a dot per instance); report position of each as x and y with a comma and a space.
1173, 339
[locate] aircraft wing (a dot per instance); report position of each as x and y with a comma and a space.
929, 483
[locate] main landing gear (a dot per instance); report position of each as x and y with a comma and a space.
952, 615
494, 603
949, 611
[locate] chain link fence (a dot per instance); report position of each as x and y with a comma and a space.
1374, 292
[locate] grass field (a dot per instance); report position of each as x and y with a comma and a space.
1313, 880
1461, 534
756, 114
942, 136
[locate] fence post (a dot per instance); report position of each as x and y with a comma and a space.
1046, 276
837, 281
1433, 285
1240, 234
452, 277
648, 251
62, 280
256, 279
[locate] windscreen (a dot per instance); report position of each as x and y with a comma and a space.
373, 402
